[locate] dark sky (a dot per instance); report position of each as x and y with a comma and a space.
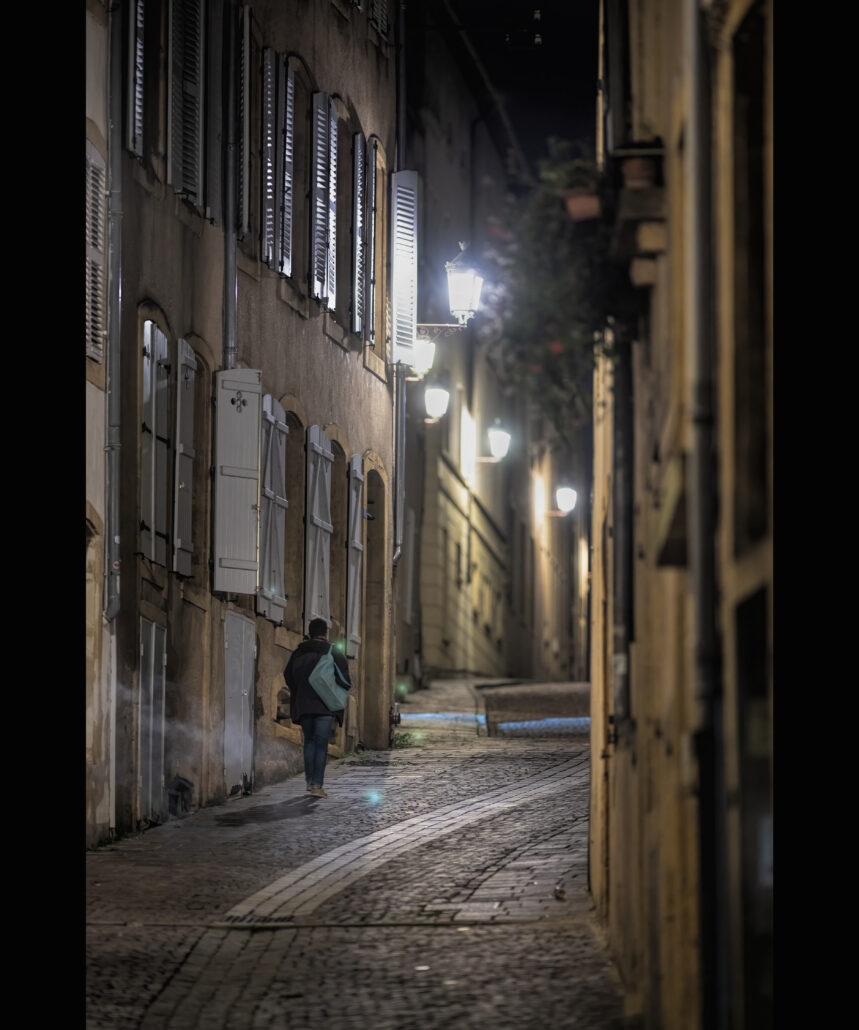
549, 89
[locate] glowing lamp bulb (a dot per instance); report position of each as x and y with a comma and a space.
499, 442
436, 399
566, 498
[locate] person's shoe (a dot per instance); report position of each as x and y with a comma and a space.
318, 792
310, 787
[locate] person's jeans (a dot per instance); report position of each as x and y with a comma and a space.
316, 730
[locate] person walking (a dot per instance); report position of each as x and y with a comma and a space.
307, 709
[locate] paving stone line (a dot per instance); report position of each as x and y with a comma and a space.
302, 890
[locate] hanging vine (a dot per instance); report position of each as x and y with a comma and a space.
552, 287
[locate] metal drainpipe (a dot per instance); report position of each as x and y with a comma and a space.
230, 234
114, 312
715, 964
112, 371
622, 531
399, 370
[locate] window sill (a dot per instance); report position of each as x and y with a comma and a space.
374, 364
95, 372
152, 180
286, 638
290, 294
194, 595
334, 331
250, 266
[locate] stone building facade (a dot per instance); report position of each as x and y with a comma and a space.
240, 161
682, 582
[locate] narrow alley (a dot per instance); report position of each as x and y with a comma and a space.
441, 883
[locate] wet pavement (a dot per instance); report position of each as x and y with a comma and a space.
440, 884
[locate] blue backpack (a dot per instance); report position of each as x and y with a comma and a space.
324, 680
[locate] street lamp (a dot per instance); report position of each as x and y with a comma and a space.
499, 442
565, 498
435, 400
463, 287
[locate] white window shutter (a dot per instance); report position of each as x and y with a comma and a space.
268, 155
237, 432
244, 169
154, 445
147, 444
186, 61
183, 545
319, 198
355, 556
331, 286
359, 232
404, 272
162, 445
134, 119
271, 600
317, 565
95, 224
370, 303
286, 166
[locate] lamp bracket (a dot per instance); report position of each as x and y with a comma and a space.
435, 330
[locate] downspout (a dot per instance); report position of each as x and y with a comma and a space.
230, 233
112, 372
715, 966
622, 533
114, 312
398, 369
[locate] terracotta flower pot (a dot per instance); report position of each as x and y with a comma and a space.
581, 204
638, 172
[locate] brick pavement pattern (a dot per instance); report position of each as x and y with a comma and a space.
440, 884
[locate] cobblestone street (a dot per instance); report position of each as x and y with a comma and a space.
440, 884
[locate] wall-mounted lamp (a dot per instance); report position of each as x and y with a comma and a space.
499, 442
565, 498
436, 399
463, 287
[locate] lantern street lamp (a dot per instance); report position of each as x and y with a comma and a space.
463, 287
565, 498
499, 443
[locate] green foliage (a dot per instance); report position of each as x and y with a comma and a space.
551, 289
404, 740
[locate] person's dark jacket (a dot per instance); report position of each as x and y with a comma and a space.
303, 699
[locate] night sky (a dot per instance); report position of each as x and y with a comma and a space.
548, 89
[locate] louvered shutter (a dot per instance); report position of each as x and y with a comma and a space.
271, 600
183, 546
185, 106
237, 439
96, 218
268, 155
240, 653
244, 169
317, 566
359, 232
319, 198
286, 166
379, 15
134, 120
155, 445
214, 136
355, 556
331, 285
404, 249
370, 303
